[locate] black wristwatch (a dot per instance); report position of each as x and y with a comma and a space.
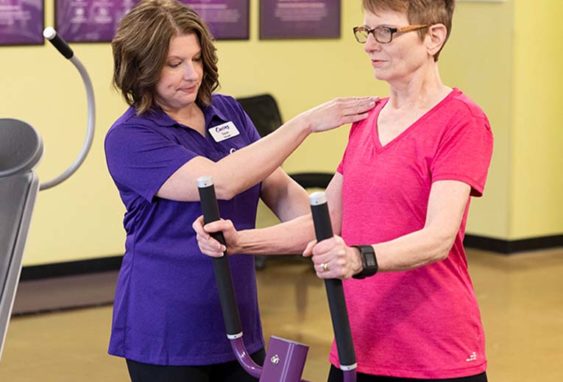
369, 261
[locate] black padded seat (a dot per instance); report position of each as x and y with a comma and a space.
20, 150
263, 111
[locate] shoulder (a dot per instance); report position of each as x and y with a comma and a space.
124, 119
226, 107
224, 102
370, 121
459, 115
220, 99
462, 122
130, 118
465, 108
130, 125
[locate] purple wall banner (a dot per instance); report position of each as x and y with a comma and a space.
288, 19
89, 20
227, 19
97, 20
21, 22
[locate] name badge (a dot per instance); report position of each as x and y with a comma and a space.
224, 131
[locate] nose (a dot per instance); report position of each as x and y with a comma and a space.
190, 73
371, 44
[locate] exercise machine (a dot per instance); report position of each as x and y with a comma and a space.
285, 359
21, 149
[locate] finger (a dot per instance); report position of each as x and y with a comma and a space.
358, 101
327, 272
351, 100
362, 98
197, 226
321, 268
359, 108
326, 245
210, 244
323, 258
209, 250
353, 118
217, 226
212, 253
309, 248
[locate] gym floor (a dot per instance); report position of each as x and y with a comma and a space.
521, 298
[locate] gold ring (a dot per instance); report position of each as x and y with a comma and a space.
324, 267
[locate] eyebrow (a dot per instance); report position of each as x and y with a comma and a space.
380, 25
181, 57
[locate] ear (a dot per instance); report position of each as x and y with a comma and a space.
435, 38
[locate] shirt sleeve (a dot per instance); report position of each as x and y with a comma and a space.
340, 167
140, 159
464, 154
349, 146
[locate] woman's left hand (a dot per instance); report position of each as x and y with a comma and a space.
333, 259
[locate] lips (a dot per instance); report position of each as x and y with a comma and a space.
377, 63
189, 89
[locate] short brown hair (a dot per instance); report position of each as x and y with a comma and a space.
140, 48
424, 12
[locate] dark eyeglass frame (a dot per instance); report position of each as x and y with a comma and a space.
391, 30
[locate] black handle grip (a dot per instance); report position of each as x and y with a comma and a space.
58, 42
334, 289
221, 267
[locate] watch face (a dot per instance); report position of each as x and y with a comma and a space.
369, 261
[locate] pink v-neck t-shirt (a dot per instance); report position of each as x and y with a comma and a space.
422, 323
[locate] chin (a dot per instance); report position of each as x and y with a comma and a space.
386, 75
187, 100
379, 76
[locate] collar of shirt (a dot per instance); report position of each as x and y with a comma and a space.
159, 117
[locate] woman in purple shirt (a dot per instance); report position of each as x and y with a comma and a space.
167, 321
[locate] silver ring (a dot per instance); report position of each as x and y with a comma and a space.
324, 267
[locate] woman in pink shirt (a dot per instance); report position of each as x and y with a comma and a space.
399, 203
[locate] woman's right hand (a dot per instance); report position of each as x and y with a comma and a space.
208, 245
338, 112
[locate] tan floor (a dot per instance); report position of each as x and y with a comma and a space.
521, 299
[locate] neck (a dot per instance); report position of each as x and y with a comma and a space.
421, 90
185, 114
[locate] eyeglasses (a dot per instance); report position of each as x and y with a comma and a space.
382, 33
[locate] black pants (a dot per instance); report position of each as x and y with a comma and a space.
222, 372
337, 376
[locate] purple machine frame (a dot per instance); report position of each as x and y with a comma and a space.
285, 359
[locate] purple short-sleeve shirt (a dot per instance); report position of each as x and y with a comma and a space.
166, 308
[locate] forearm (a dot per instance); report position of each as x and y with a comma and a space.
248, 166
290, 202
446, 205
286, 238
240, 170
413, 250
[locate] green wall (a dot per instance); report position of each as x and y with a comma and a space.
491, 56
